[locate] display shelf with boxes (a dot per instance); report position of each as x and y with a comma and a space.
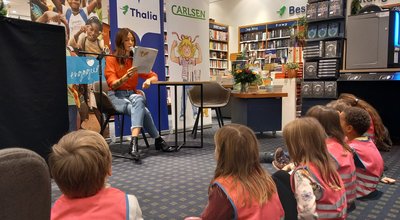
324, 50
219, 44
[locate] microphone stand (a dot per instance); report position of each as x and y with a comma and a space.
99, 57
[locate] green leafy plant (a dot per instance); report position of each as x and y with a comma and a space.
355, 7
292, 66
3, 9
246, 75
298, 31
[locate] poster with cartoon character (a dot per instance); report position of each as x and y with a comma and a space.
187, 31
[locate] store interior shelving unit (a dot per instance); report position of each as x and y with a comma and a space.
166, 50
324, 51
219, 49
267, 42
281, 48
279, 40
252, 41
272, 42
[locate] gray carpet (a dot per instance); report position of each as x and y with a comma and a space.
174, 185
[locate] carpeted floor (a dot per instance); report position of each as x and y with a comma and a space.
174, 185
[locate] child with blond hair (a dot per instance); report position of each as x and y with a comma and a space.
241, 188
317, 186
338, 149
80, 164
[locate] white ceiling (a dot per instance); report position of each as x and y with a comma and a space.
21, 7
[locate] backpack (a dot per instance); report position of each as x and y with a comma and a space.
68, 14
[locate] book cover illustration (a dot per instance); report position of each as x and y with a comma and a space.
312, 31
311, 13
323, 10
322, 30
330, 48
333, 29
144, 58
335, 8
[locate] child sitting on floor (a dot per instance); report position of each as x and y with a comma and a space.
241, 188
369, 163
317, 186
80, 164
338, 149
377, 131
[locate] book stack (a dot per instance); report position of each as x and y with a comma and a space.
328, 68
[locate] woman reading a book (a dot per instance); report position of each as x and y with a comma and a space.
122, 78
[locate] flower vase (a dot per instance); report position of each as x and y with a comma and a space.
244, 87
292, 73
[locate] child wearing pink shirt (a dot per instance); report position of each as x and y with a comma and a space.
369, 163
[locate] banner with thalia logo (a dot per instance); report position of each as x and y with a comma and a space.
188, 52
145, 18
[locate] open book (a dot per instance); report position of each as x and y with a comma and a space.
143, 58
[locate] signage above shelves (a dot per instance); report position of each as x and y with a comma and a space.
253, 28
281, 25
218, 27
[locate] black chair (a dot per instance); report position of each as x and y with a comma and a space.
215, 97
107, 109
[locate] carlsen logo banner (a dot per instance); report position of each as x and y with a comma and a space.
142, 16
188, 53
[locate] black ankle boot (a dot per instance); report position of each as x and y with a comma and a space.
160, 144
134, 148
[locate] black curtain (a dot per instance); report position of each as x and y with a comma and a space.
33, 90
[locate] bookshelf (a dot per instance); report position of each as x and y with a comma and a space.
279, 41
253, 41
324, 51
219, 48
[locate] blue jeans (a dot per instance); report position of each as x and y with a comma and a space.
185, 93
130, 103
72, 116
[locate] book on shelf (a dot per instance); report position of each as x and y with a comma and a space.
312, 31
322, 30
333, 29
335, 8
331, 48
218, 35
311, 12
322, 10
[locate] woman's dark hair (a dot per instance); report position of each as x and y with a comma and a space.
119, 44
330, 121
